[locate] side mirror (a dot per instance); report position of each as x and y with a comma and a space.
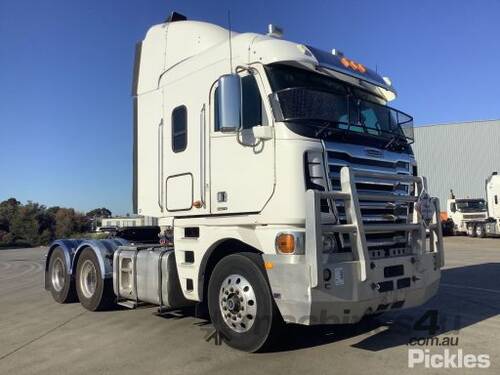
229, 102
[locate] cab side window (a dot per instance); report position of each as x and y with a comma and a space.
251, 103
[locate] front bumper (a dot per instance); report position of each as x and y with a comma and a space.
343, 298
318, 288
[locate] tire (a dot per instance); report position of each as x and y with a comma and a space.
243, 275
94, 292
471, 231
480, 231
61, 286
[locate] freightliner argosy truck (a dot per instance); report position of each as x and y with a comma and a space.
285, 187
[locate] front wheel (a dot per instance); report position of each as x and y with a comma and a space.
95, 292
240, 303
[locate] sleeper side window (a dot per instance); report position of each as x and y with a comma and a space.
179, 129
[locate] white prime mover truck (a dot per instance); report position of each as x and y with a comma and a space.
465, 213
285, 187
481, 218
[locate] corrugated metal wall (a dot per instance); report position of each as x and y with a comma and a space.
458, 156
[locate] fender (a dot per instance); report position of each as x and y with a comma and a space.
72, 249
103, 250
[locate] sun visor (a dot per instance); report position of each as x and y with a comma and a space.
338, 63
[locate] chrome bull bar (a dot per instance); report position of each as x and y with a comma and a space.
315, 226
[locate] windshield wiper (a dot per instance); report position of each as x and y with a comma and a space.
395, 139
324, 127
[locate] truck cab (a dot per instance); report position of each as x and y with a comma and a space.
284, 184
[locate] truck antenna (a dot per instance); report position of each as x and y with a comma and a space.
230, 46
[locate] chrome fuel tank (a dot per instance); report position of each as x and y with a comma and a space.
147, 274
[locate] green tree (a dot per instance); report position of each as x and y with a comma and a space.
99, 212
24, 225
69, 222
8, 210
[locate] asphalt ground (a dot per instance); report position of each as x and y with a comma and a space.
39, 336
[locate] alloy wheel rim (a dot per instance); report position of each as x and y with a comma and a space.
88, 279
237, 303
58, 279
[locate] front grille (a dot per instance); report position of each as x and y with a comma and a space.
474, 216
380, 244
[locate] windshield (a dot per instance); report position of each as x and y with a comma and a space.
330, 106
471, 205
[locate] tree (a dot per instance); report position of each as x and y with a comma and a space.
69, 222
34, 224
99, 212
24, 225
8, 210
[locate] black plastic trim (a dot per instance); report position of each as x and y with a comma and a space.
137, 63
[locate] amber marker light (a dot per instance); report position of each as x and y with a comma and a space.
285, 243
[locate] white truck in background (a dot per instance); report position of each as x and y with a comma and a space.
465, 213
285, 187
488, 224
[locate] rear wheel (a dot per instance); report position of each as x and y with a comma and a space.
240, 303
480, 231
61, 286
471, 230
95, 292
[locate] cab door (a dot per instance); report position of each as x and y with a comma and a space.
242, 168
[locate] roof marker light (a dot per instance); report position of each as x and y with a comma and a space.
274, 31
387, 80
336, 52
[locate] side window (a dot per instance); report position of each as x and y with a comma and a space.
179, 129
251, 103
216, 110
253, 112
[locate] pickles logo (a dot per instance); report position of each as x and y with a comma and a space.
446, 359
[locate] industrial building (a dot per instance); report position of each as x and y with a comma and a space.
128, 221
458, 156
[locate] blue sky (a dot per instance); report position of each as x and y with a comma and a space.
65, 76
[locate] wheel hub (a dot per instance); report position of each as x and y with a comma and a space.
58, 277
88, 279
237, 302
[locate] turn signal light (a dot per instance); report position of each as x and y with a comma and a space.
285, 243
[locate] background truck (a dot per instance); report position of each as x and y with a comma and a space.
490, 225
284, 185
465, 213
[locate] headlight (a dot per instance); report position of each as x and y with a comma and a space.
329, 243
